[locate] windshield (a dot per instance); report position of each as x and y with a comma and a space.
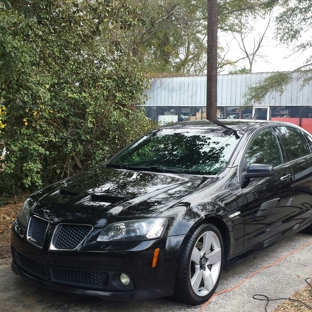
200, 151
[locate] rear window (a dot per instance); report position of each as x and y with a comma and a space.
294, 142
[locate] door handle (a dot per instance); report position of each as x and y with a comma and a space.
286, 178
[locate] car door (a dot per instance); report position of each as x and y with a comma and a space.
298, 146
267, 203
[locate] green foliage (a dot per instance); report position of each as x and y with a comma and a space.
232, 13
70, 98
171, 36
20, 91
164, 36
274, 83
71, 76
293, 22
239, 71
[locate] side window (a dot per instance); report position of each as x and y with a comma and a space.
264, 149
309, 140
295, 144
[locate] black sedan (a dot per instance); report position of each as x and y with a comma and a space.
165, 215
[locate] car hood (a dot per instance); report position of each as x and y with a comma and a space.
107, 193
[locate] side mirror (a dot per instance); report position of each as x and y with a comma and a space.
256, 171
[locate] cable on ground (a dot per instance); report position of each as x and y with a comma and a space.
267, 299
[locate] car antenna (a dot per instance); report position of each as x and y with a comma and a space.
221, 124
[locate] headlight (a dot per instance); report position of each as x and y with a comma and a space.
133, 230
24, 213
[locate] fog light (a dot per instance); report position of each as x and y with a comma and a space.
125, 279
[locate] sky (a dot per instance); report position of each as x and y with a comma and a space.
275, 57
272, 56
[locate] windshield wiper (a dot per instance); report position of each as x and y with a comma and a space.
163, 169
159, 169
151, 168
144, 168
129, 167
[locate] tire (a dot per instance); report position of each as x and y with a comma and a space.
200, 265
308, 229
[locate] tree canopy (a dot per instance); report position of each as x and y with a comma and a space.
69, 93
293, 27
171, 36
73, 73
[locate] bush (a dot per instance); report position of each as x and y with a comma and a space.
70, 98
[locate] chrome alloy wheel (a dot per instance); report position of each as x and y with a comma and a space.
205, 263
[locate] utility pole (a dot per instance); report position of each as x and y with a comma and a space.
212, 59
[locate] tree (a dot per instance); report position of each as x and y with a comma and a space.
211, 105
241, 33
239, 71
71, 100
71, 76
212, 57
293, 23
171, 36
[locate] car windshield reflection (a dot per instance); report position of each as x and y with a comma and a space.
171, 150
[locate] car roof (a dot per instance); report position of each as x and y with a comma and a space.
239, 125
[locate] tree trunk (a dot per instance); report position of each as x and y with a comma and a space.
212, 43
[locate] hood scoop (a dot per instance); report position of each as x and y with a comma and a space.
106, 198
67, 193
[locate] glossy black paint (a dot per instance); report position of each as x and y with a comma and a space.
251, 213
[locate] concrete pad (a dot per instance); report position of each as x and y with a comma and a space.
281, 280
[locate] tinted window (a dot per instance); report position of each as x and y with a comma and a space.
309, 140
264, 149
295, 144
190, 151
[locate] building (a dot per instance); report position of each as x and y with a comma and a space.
175, 99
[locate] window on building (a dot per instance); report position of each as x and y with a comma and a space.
151, 112
238, 113
306, 112
285, 112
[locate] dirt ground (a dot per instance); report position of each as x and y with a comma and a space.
293, 305
9, 212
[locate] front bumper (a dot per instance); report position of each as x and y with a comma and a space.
98, 273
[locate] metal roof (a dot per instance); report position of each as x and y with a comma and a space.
191, 91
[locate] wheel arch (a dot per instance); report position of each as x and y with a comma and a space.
223, 229
183, 289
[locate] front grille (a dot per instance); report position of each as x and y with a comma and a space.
88, 279
69, 236
37, 229
30, 266
72, 277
